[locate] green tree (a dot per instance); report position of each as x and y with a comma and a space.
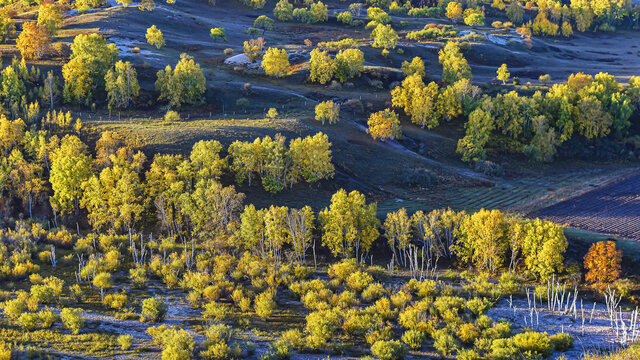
96, 54
349, 225
184, 84
12, 86
155, 37
263, 22
122, 85
283, 10
349, 64
70, 167
478, 132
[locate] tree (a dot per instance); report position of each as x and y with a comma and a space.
310, 159
415, 66
218, 33
272, 113
503, 73
283, 10
51, 89
34, 40
103, 281
515, 12
454, 65
384, 37
592, 120
69, 169
155, 37
349, 225
478, 132
50, 15
384, 125
321, 66
349, 64
454, 11
122, 85
474, 19
96, 54
211, 208
483, 240
253, 48
115, 196
300, 226
78, 85
184, 84
275, 62
12, 86
263, 22
542, 244
327, 111
7, 25
397, 230
603, 263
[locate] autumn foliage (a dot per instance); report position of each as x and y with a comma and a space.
603, 263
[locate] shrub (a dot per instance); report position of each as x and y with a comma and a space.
125, 342
389, 350
154, 310
509, 284
468, 333
72, 319
373, 292
444, 303
533, 343
294, 338
5, 351
478, 306
413, 338
321, 326
444, 342
358, 281
47, 318
503, 349
484, 322
28, 321
115, 301
264, 305
502, 329
401, 299
172, 116
467, 354
342, 270
561, 341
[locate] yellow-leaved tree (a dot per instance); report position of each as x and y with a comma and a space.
384, 125
349, 225
275, 62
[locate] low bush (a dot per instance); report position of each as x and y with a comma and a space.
561, 341
125, 342
389, 350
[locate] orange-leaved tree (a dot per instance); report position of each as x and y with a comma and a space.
603, 264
